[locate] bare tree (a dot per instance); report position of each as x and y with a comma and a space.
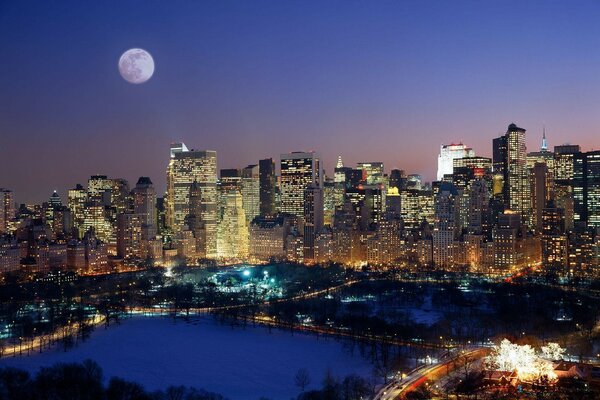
302, 378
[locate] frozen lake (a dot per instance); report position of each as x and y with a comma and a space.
236, 362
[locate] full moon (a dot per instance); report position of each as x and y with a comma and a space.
136, 66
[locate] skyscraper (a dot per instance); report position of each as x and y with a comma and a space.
313, 218
510, 161
77, 197
250, 188
541, 192
398, 179
478, 218
586, 189
186, 167
449, 152
543, 156
129, 235
373, 172
467, 171
298, 171
119, 195
232, 239
266, 171
500, 168
7, 209
144, 204
563, 180
99, 189
339, 172
54, 200
445, 225
554, 240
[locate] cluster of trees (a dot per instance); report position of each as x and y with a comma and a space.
84, 381
484, 311
41, 307
352, 387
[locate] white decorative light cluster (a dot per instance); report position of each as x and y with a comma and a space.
530, 365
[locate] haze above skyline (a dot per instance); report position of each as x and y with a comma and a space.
386, 81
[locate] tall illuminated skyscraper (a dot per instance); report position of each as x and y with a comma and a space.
563, 180
586, 188
144, 204
541, 192
233, 237
313, 218
298, 171
7, 209
250, 188
77, 197
510, 161
267, 183
119, 195
186, 167
543, 156
448, 153
445, 227
339, 172
554, 240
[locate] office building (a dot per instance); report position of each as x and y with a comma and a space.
299, 170
267, 182
185, 168
448, 153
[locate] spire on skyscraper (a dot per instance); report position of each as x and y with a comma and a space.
544, 142
339, 164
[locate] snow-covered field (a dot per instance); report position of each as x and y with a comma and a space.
236, 362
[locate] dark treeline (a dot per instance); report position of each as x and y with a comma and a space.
74, 381
352, 387
463, 308
36, 308
85, 381
472, 311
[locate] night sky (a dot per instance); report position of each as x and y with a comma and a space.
372, 81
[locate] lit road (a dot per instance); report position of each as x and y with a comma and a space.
37, 343
419, 376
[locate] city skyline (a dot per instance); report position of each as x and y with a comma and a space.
262, 77
211, 200
161, 184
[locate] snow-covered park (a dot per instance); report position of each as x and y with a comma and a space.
240, 363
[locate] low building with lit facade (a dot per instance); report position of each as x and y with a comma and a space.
508, 253
581, 253
88, 256
129, 236
10, 255
76, 260
185, 243
324, 250
267, 238
96, 256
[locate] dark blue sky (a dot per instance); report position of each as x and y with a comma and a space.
372, 81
